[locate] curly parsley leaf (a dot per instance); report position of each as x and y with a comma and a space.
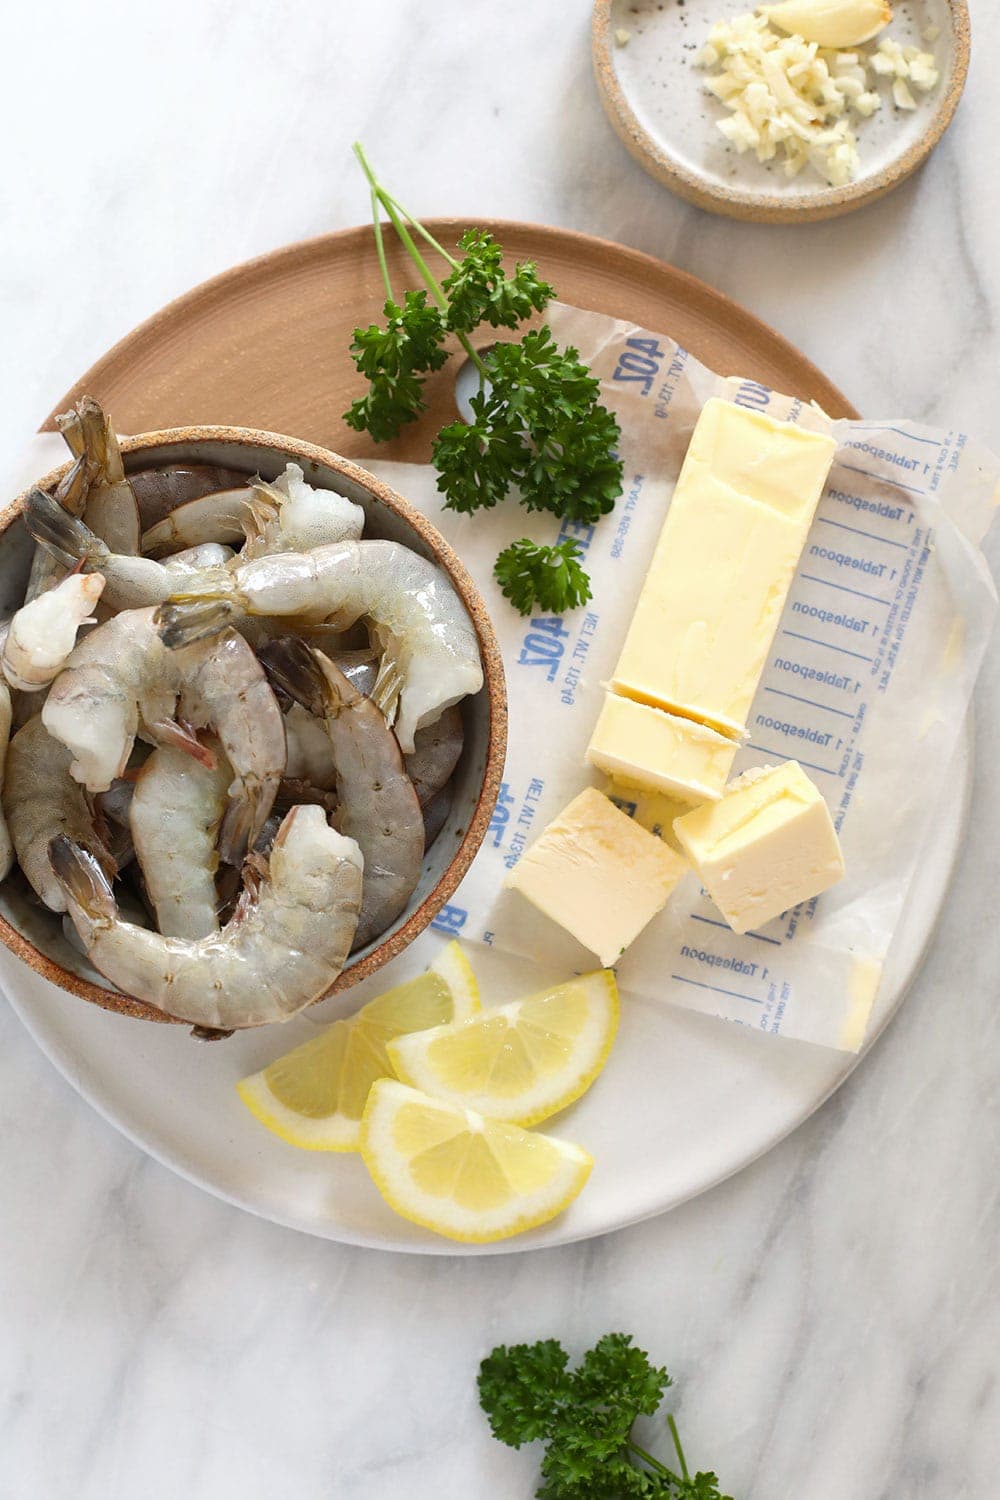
585, 1417
531, 574
393, 359
479, 291
537, 425
538, 429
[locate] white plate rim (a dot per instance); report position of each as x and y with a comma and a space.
560, 1232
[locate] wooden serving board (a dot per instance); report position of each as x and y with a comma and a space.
265, 344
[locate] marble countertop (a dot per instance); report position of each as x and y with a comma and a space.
830, 1314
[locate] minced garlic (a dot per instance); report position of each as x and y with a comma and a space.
788, 97
795, 99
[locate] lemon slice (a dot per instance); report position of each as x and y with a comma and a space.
520, 1062
314, 1095
461, 1175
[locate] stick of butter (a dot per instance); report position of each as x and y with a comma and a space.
646, 747
598, 874
723, 565
767, 845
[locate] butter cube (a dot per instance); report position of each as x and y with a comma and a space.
723, 565
655, 811
647, 747
767, 845
598, 874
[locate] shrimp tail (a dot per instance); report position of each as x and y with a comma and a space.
83, 879
182, 620
293, 667
65, 536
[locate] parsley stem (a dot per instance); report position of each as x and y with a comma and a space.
677, 1444
425, 234
654, 1463
431, 282
380, 245
429, 279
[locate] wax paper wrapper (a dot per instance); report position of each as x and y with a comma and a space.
867, 685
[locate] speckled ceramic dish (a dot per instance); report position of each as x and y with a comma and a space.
36, 935
645, 55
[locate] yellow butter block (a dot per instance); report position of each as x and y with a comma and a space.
723, 565
598, 874
647, 747
654, 811
768, 844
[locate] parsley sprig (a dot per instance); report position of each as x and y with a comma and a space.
531, 574
537, 425
586, 1417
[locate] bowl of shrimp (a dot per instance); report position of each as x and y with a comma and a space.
254, 720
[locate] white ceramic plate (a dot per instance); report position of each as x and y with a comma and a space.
654, 94
684, 1101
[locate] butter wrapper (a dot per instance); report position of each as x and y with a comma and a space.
867, 685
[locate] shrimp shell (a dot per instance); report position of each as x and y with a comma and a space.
225, 687
218, 517
174, 817
282, 949
423, 631
40, 801
291, 516
377, 805
121, 680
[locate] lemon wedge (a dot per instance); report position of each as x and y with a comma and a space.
521, 1062
461, 1175
314, 1095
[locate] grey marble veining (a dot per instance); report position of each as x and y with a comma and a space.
831, 1315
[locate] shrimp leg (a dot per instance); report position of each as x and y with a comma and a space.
283, 948
377, 805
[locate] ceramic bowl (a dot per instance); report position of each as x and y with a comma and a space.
645, 61
36, 935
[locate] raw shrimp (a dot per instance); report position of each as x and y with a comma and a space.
70, 495
219, 517
377, 805
435, 754
6, 846
424, 636
174, 816
225, 687
204, 555
159, 491
436, 747
111, 511
41, 800
290, 516
129, 582
111, 819
118, 677
284, 946
436, 813
43, 633
121, 680
310, 756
